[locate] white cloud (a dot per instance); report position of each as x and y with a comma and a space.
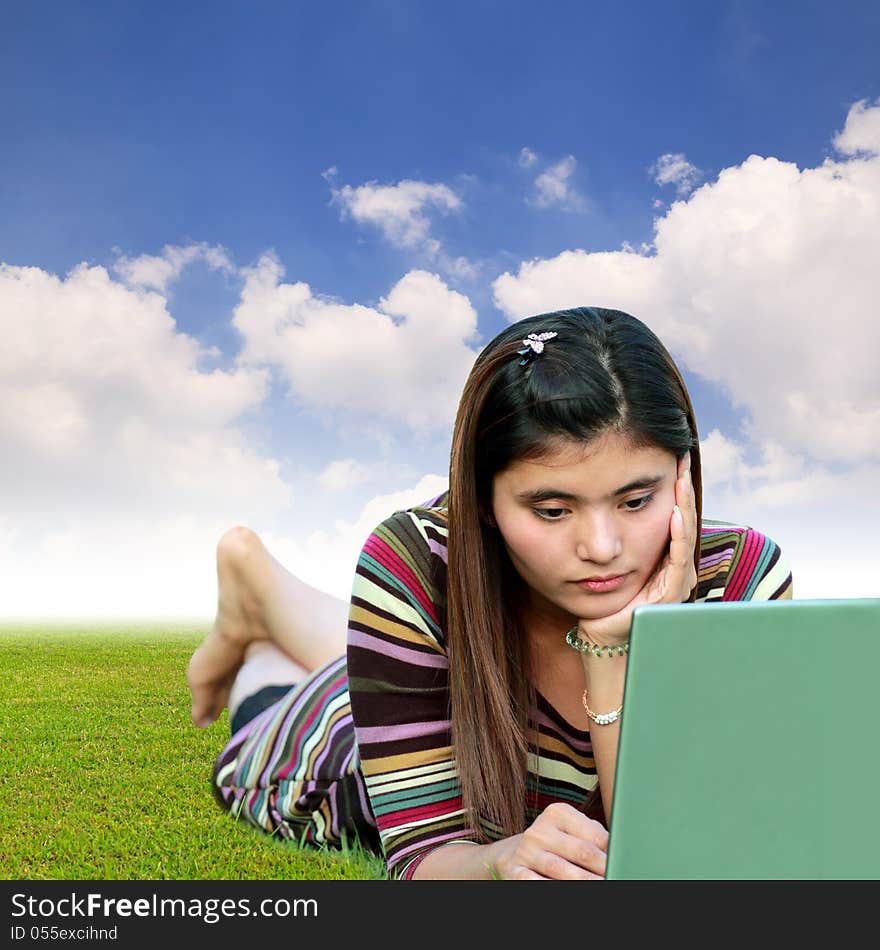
400, 211
553, 187
575, 278
129, 464
122, 455
157, 272
90, 566
780, 479
460, 268
527, 158
405, 361
861, 133
675, 169
764, 281
327, 559
343, 474
825, 518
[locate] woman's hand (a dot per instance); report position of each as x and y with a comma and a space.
561, 844
675, 575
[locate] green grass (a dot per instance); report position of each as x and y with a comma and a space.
105, 777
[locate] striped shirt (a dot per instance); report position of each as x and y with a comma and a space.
363, 747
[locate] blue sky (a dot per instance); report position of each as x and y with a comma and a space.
221, 223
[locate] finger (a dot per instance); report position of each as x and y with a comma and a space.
579, 836
523, 873
578, 855
692, 526
590, 859
561, 867
569, 819
686, 501
682, 574
681, 548
689, 503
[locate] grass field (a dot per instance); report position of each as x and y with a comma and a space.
104, 776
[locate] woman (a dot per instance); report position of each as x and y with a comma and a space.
466, 725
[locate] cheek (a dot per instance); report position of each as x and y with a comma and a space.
653, 534
527, 543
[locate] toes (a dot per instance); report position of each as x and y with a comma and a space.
209, 700
202, 716
210, 674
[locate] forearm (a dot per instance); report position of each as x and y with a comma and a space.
605, 678
460, 862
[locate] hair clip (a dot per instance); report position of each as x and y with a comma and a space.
534, 344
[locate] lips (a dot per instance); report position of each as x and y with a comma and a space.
599, 585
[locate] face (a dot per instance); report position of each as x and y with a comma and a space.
586, 525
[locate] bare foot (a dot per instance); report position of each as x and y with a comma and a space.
211, 673
239, 622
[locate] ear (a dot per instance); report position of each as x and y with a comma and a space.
487, 519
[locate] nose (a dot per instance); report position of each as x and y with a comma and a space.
598, 539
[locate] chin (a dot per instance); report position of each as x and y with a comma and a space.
598, 606
599, 612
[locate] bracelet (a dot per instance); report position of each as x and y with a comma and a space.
603, 719
584, 646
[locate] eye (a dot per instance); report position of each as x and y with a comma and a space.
636, 504
550, 514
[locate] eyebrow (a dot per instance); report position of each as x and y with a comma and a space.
533, 495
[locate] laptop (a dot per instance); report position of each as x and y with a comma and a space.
750, 743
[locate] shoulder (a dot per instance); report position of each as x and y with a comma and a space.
739, 562
401, 570
415, 533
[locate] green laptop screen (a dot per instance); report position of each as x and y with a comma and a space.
750, 743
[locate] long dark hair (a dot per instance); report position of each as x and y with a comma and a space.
604, 371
